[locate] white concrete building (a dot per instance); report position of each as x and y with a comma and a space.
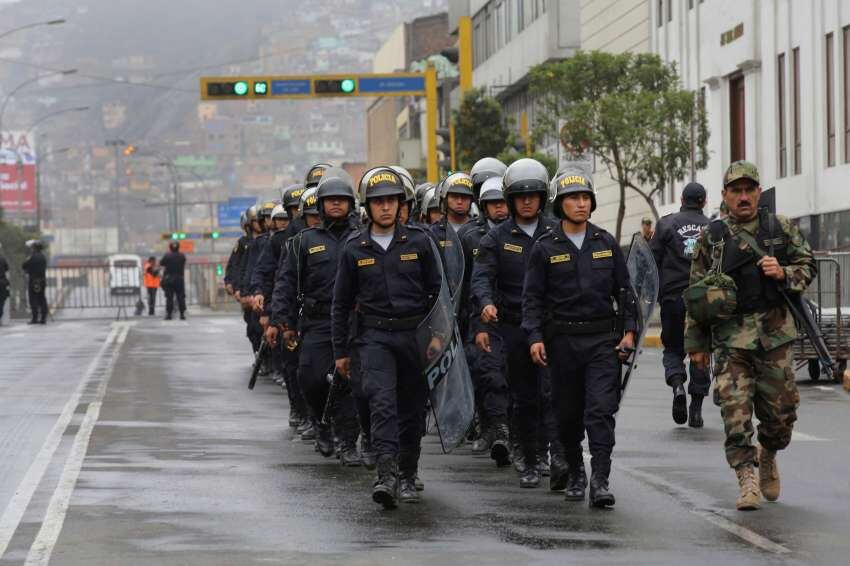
775, 76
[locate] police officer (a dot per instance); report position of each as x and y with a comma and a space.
231, 272
574, 274
256, 277
419, 200
753, 346
173, 265
242, 285
291, 200
390, 272
673, 246
486, 368
4, 282
430, 213
36, 269
307, 283
497, 280
456, 201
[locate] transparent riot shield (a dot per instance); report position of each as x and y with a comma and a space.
451, 253
644, 278
441, 349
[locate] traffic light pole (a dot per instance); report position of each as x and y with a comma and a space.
433, 170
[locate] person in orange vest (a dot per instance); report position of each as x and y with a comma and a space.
151, 282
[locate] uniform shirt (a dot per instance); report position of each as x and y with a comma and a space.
673, 246
565, 283
36, 266
173, 264
263, 278
499, 271
470, 240
401, 282
769, 329
231, 272
255, 248
313, 259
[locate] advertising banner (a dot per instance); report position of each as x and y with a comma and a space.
17, 172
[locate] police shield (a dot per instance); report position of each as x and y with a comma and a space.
451, 252
446, 371
643, 273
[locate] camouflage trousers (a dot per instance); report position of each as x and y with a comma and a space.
760, 380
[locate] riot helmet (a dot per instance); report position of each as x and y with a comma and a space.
279, 213
251, 213
571, 182
336, 182
309, 202
315, 174
484, 169
525, 176
491, 191
292, 197
456, 184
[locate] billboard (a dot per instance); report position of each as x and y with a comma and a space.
17, 172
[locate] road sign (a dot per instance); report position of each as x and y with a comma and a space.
230, 211
313, 86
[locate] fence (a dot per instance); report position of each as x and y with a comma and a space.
94, 288
831, 288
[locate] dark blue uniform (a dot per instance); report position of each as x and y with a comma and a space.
497, 279
232, 272
393, 290
173, 281
36, 269
567, 304
246, 270
307, 282
673, 246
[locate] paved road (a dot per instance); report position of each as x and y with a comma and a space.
139, 443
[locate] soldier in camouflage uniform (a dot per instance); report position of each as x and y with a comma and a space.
752, 345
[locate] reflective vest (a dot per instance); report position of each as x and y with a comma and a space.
151, 281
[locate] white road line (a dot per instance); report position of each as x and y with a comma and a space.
19, 502
713, 516
57, 509
803, 437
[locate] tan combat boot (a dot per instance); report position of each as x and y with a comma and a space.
768, 474
750, 497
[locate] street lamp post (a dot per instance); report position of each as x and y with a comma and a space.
35, 25
116, 145
26, 83
39, 160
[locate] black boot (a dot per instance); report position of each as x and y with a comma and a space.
407, 492
543, 463
695, 412
366, 453
482, 444
558, 473
295, 418
600, 495
576, 482
680, 402
518, 459
499, 450
324, 441
385, 491
530, 478
348, 455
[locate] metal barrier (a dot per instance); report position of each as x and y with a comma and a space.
89, 287
831, 288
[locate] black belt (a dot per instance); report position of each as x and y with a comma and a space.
575, 327
384, 323
317, 310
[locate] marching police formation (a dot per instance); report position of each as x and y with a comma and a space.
357, 294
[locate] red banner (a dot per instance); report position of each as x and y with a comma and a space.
17, 173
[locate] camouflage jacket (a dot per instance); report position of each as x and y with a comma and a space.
769, 329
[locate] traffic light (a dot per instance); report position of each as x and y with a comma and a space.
446, 146
261, 88
228, 89
334, 86
215, 235
219, 270
178, 235
129, 150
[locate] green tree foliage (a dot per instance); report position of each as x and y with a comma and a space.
13, 241
480, 128
631, 112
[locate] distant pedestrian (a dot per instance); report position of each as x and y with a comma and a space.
646, 228
152, 280
36, 269
4, 282
174, 267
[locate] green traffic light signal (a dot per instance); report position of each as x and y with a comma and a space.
347, 86
240, 88
261, 88
215, 235
218, 269
175, 235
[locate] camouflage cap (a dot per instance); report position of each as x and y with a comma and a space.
741, 170
646, 220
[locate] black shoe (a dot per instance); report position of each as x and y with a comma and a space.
324, 441
385, 490
558, 473
33, 322
519, 461
531, 478
182, 316
168, 317
366, 454
348, 455
42, 321
308, 435
407, 492
576, 483
680, 404
295, 418
543, 464
482, 444
695, 412
600, 496
499, 450
418, 483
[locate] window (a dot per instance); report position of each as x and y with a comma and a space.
795, 104
500, 25
737, 123
520, 15
830, 103
669, 10
781, 124
660, 13
847, 94
690, 4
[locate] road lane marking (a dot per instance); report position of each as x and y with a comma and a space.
803, 437
57, 509
712, 515
20, 501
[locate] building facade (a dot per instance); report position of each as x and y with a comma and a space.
775, 78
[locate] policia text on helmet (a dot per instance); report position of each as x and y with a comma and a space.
383, 192
456, 198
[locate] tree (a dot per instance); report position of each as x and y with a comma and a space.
630, 111
480, 128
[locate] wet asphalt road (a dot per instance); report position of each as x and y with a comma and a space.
140, 444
